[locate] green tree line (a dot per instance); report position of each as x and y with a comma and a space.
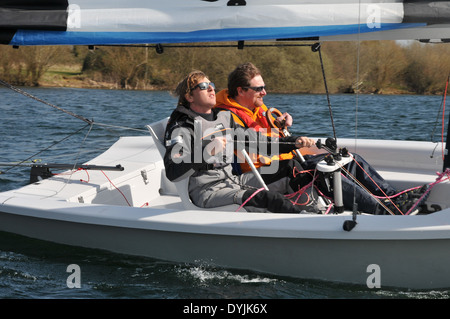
370, 67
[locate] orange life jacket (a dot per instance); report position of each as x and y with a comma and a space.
256, 120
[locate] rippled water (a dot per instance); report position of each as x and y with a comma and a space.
35, 269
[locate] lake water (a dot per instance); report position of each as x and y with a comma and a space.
37, 269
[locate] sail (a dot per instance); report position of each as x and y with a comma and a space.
115, 22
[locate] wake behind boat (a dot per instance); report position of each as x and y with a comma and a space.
121, 201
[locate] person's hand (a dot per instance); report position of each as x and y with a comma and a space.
216, 146
286, 118
304, 141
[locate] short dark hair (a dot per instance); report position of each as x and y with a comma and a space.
185, 86
241, 77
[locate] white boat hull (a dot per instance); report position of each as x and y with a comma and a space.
150, 220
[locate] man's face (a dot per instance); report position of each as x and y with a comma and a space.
203, 100
251, 98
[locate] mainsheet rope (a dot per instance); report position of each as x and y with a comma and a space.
439, 179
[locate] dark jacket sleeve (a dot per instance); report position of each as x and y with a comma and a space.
254, 141
179, 160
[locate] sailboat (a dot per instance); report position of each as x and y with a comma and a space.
138, 211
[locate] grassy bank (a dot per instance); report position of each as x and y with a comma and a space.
71, 76
384, 67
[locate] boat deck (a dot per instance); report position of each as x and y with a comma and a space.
143, 183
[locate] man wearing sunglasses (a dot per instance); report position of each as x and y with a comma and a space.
244, 98
196, 141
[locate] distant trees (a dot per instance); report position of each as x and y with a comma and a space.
427, 67
125, 66
389, 67
285, 69
383, 64
380, 64
370, 67
26, 66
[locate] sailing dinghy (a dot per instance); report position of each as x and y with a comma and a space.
136, 210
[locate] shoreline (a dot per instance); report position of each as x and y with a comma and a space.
83, 82
65, 77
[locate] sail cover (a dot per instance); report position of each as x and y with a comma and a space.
111, 22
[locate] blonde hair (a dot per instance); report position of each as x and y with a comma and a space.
185, 87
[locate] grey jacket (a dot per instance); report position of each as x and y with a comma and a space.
212, 182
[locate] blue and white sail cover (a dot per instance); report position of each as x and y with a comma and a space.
103, 22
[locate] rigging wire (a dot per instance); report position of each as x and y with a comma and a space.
45, 149
76, 160
443, 119
350, 224
358, 55
318, 48
80, 117
77, 116
444, 143
440, 111
90, 123
16, 89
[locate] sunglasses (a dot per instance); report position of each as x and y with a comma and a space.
255, 88
203, 86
